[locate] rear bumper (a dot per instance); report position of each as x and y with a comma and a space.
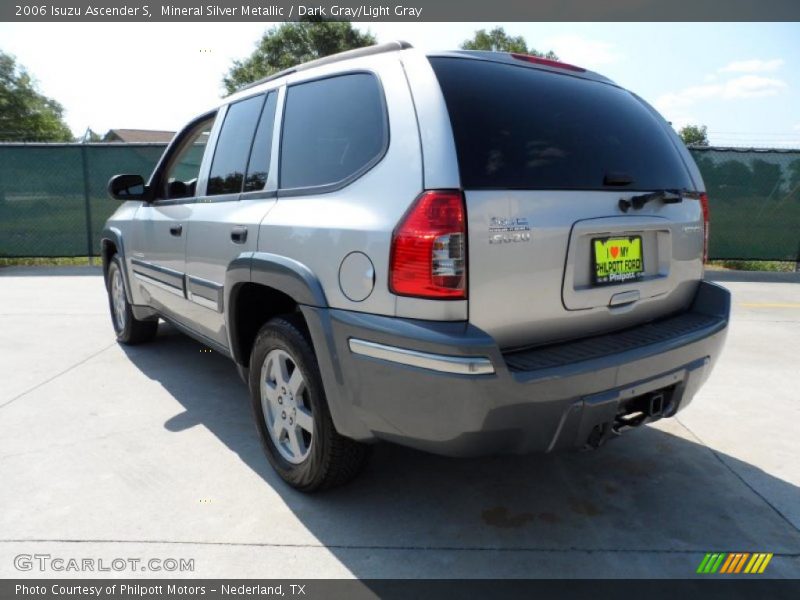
447, 388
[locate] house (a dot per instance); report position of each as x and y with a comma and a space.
147, 136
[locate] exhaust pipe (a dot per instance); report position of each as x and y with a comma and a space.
600, 435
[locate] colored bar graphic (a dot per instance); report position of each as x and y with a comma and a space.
717, 563
740, 564
726, 566
703, 563
736, 558
755, 559
712, 558
731, 563
765, 563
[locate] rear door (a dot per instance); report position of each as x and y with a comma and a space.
238, 190
544, 159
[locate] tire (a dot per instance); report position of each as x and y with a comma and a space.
129, 329
286, 405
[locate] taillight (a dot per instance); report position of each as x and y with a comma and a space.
547, 62
706, 224
429, 248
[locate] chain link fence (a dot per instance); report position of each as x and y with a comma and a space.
754, 200
53, 200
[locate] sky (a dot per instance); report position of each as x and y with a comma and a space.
741, 80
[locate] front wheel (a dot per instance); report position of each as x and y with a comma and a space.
291, 411
129, 329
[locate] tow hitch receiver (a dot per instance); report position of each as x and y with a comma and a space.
640, 410
607, 417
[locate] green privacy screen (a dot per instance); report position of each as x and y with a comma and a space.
754, 199
53, 198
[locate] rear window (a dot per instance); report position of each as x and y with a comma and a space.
516, 127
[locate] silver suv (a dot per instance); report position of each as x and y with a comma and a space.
463, 252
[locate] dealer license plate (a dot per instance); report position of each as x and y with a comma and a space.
617, 259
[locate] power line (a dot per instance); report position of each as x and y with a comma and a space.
756, 133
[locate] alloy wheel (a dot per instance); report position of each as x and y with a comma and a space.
287, 411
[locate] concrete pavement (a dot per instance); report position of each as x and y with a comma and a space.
149, 452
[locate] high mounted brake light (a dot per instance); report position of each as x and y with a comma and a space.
428, 256
547, 62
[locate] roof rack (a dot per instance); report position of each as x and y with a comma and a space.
325, 60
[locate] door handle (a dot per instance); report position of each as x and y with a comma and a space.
239, 234
176, 230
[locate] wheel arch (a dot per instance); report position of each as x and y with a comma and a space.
261, 278
258, 286
110, 244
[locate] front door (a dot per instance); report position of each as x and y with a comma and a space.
158, 253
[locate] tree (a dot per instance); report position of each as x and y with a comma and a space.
289, 44
25, 114
766, 178
497, 40
794, 174
730, 178
694, 135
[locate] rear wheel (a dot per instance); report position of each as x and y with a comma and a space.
129, 329
291, 411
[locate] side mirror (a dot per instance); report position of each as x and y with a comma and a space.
128, 187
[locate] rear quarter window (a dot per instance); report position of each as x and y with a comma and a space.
333, 130
517, 127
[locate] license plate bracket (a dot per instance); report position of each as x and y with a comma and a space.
617, 260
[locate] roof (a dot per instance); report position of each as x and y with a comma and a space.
332, 58
553, 66
138, 135
512, 58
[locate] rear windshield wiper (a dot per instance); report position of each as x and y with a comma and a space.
666, 196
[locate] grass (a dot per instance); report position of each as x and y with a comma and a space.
775, 266
36, 261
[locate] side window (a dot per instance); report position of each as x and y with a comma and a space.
233, 147
180, 177
332, 129
258, 166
